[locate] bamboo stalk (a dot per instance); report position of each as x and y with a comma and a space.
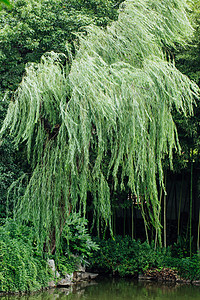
165, 215
146, 231
132, 223
179, 209
124, 221
156, 236
114, 221
198, 236
191, 199
145, 222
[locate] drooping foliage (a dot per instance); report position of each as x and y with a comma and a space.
28, 29
113, 99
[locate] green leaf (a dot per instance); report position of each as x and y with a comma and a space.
6, 2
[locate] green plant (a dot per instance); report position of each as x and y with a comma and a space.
113, 97
189, 268
181, 249
27, 30
75, 239
124, 256
66, 264
30, 28
5, 2
21, 268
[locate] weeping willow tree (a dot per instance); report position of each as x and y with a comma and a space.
113, 98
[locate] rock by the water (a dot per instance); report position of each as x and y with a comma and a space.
51, 284
163, 275
81, 268
69, 279
196, 282
93, 275
64, 282
52, 266
78, 276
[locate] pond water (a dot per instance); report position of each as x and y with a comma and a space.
117, 289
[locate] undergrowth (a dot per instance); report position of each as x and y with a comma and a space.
21, 267
126, 257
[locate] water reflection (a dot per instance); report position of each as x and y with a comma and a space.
118, 289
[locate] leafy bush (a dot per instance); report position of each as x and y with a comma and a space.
124, 256
76, 241
181, 248
189, 268
20, 268
66, 264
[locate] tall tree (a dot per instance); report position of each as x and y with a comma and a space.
30, 28
114, 98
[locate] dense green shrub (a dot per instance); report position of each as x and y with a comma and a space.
66, 264
76, 243
189, 268
21, 268
124, 256
182, 247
